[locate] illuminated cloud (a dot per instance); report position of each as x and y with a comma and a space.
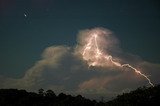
97, 41
65, 69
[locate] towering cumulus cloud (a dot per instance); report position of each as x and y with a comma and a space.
95, 55
96, 66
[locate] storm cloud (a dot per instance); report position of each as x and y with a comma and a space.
63, 69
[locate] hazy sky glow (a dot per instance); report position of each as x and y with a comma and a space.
42, 40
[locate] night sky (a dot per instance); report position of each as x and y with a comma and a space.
27, 27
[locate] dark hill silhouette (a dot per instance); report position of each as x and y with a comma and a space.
14, 97
141, 96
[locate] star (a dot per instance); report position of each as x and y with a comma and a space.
25, 15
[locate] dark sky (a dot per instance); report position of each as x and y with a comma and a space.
136, 23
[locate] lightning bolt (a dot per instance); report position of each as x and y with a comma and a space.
94, 56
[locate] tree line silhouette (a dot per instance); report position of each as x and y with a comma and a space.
143, 96
15, 97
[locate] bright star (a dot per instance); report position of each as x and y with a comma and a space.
25, 15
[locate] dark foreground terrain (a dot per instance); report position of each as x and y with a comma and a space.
141, 96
